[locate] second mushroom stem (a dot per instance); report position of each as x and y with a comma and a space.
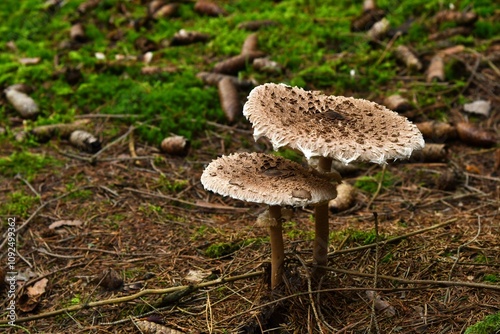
321, 236
277, 248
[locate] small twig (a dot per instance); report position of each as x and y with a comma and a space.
134, 296
309, 289
424, 282
379, 187
19, 177
373, 318
59, 256
387, 47
113, 143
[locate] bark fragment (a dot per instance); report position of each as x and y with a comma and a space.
175, 145
407, 57
436, 69
237, 63
85, 141
229, 99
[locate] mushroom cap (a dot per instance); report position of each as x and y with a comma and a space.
337, 127
265, 178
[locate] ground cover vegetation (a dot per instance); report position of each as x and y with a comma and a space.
125, 239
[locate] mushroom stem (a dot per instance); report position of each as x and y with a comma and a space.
277, 248
321, 235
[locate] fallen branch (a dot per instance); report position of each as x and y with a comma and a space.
142, 293
418, 282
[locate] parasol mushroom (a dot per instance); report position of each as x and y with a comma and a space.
329, 127
272, 180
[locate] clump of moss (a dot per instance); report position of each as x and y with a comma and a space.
489, 325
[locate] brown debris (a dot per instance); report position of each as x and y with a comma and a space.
22, 103
437, 131
471, 134
408, 58
144, 45
29, 61
229, 99
436, 69
88, 6
251, 44
29, 300
369, 5
85, 141
397, 103
175, 145
109, 280
256, 25
150, 70
380, 305
266, 65
460, 18
496, 167
44, 133
77, 33
209, 8
184, 37
346, 196
213, 79
366, 20
445, 34
168, 10
155, 5
379, 30
148, 327
237, 63
430, 153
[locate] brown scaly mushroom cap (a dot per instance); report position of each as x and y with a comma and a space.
264, 178
342, 128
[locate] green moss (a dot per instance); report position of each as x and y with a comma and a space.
26, 164
492, 278
370, 183
18, 204
220, 249
490, 325
290, 155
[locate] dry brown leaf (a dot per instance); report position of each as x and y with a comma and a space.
29, 300
380, 304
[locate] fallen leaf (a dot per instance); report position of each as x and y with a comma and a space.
29, 300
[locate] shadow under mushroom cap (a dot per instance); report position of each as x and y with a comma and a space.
264, 178
342, 128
